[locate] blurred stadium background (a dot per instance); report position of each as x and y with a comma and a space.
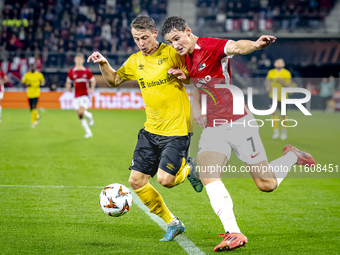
50, 32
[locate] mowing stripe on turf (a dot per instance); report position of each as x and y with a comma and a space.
183, 241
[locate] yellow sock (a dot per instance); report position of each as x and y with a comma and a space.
182, 173
34, 116
154, 201
276, 122
37, 114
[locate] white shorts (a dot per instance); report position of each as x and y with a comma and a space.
1, 95
83, 101
241, 138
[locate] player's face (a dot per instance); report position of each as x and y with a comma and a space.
78, 60
180, 40
279, 64
145, 40
33, 67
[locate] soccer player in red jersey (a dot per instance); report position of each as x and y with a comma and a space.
3, 79
208, 63
81, 77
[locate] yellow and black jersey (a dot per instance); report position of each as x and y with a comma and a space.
167, 105
272, 75
34, 80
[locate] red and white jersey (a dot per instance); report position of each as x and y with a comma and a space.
2, 87
208, 65
81, 79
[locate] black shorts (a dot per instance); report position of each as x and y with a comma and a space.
156, 151
33, 102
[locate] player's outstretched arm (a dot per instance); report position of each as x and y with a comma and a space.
109, 74
245, 46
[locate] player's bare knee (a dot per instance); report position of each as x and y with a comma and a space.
165, 182
136, 183
267, 185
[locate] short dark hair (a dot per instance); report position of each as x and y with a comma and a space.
143, 23
79, 54
174, 22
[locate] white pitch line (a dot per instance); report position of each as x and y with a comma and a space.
183, 241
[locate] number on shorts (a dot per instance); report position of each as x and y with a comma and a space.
252, 143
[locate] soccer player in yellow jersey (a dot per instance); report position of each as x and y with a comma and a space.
163, 143
277, 78
33, 80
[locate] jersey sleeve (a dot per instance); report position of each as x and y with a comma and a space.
287, 77
69, 76
125, 72
90, 75
219, 46
2, 74
24, 79
179, 62
270, 75
42, 79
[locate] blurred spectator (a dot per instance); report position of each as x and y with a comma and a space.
73, 29
83, 9
50, 14
98, 27
230, 9
125, 22
264, 62
106, 31
76, 2
252, 65
66, 20
47, 30
4, 54
221, 17
314, 89
39, 36
91, 14
22, 33
327, 88
14, 43
239, 9
81, 30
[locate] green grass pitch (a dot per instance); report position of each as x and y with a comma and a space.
300, 217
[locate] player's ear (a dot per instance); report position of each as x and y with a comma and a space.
155, 33
187, 31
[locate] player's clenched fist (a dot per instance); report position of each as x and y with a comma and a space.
96, 57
